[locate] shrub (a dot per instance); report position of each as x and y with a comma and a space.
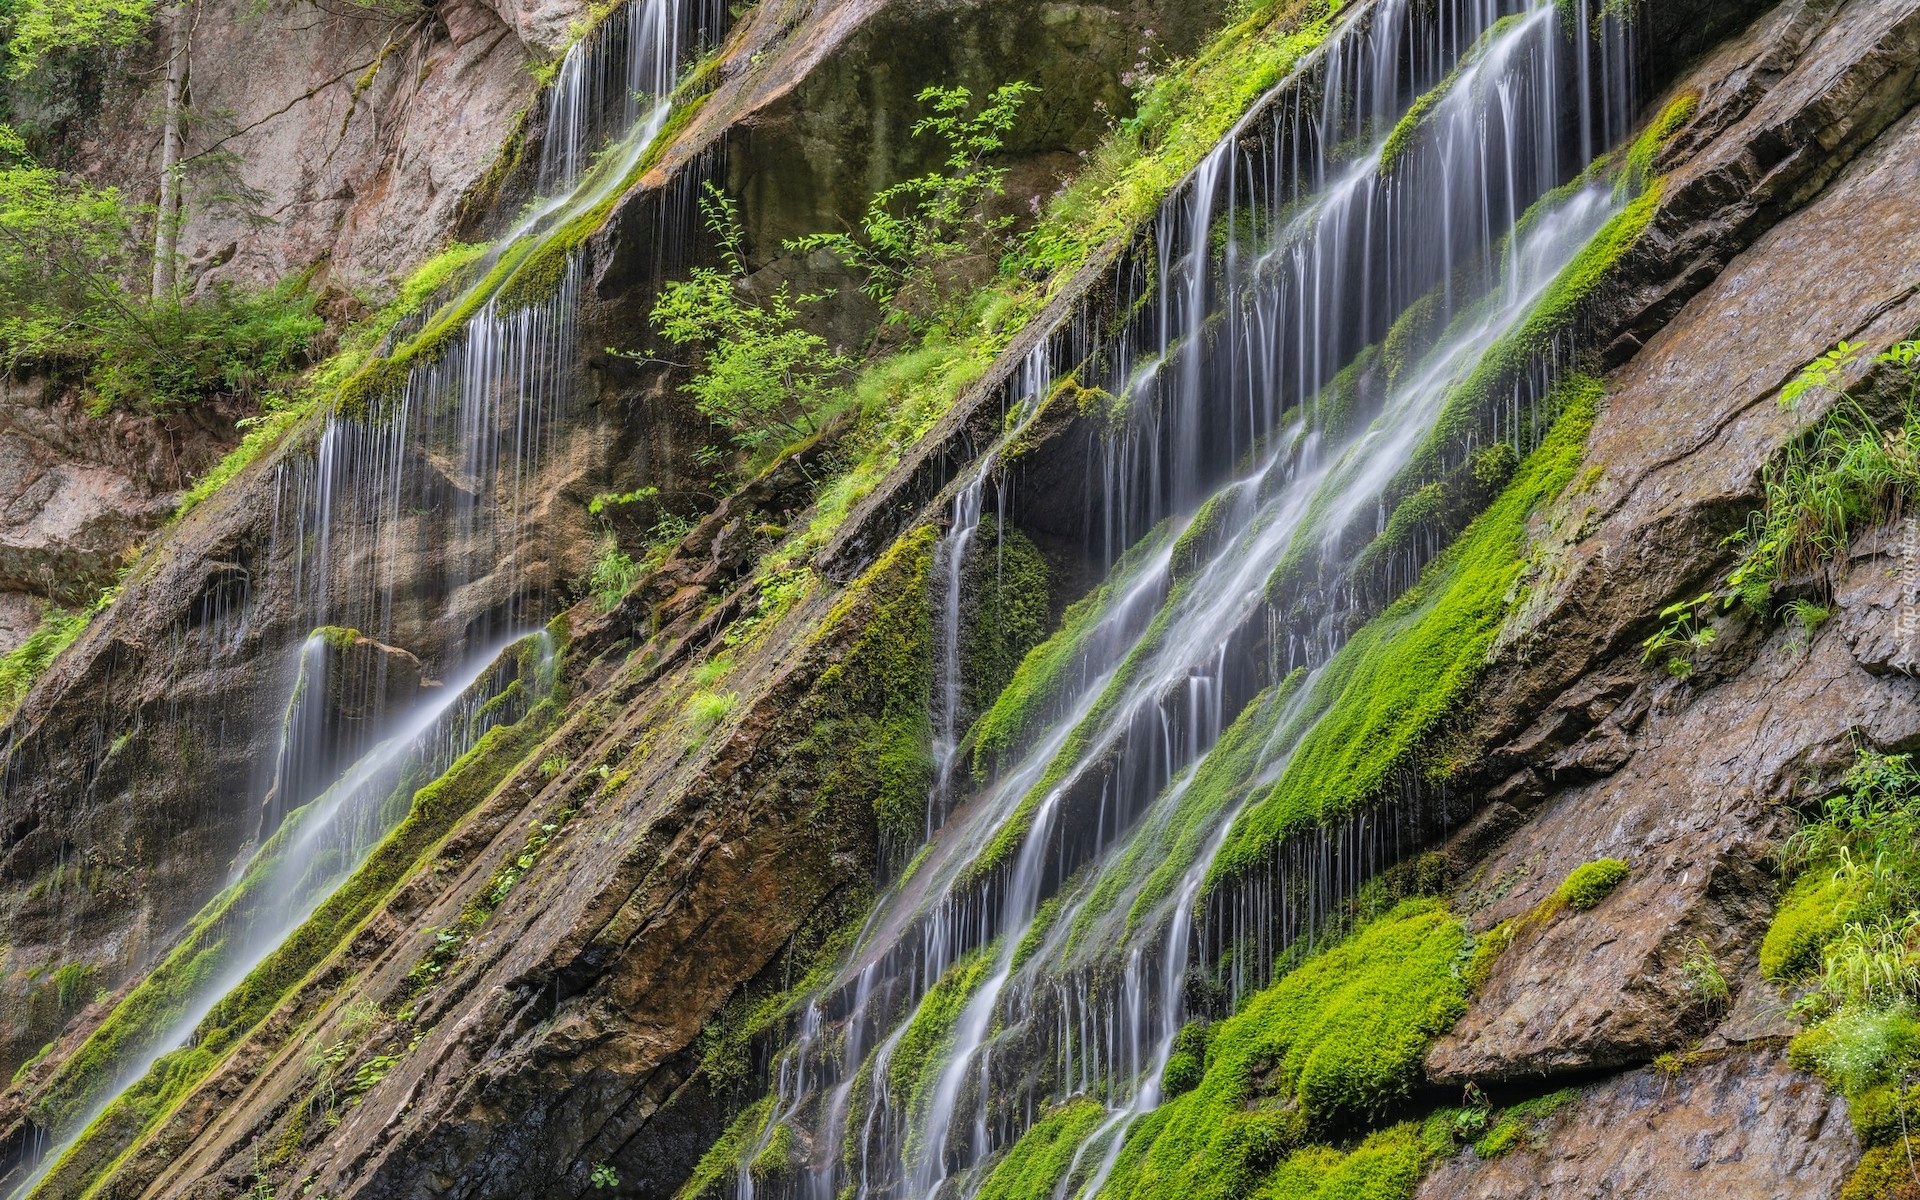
915, 229
22, 667
614, 572
66, 249
761, 375
172, 354
1590, 883
1844, 474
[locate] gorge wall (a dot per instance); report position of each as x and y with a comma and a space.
1252, 695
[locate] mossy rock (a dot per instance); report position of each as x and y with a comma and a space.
1814, 912
1590, 883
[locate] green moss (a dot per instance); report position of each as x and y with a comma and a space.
1487, 949
1337, 1041
338, 637
1884, 1173
1393, 687
1174, 835
1004, 612
1589, 883
1401, 139
1034, 1166
1815, 910
1556, 313
726, 1042
1201, 539
871, 707
778, 1158
165, 992
1677, 114
1182, 115
1052, 669
1387, 1165
714, 1174
1885, 1113
1523, 1124
922, 1049
1181, 1074
1498, 1140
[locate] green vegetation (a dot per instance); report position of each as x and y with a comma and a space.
1183, 111
1557, 311
161, 996
1847, 933
1392, 689
1003, 615
719, 1166
707, 709
1335, 1043
1048, 671
1813, 913
726, 1043
22, 667
871, 707
1179, 828
1661, 130
1401, 139
922, 1050
66, 251
762, 377
36, 30
1589, 883
1683, 637
1845, 474
613, 573
1524, 1122
917, 231
1033, 1167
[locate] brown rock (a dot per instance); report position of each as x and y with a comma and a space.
1745, 1127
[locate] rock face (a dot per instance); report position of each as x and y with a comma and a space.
350, 133
1743, 1125
1613, 750
81, 492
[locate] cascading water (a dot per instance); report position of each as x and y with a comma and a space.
1053, 915
412, 523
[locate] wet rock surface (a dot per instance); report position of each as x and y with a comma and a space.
1742, 1125
1692, 775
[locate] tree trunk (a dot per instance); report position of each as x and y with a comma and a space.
166, 220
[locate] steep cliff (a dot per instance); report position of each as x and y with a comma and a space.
1297, 653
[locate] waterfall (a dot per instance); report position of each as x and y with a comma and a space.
1387, 179
412, 524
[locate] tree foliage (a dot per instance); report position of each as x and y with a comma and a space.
761, 375
915, 229
67, 252
64, 246
36, 30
